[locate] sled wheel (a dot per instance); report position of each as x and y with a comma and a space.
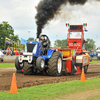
72, 68
85, 68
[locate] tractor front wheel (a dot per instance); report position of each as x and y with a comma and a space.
55, 64
40, 63
27, 69
17, 64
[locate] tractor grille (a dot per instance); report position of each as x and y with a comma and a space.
30, 47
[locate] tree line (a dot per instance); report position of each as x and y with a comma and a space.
6, 30
90, 45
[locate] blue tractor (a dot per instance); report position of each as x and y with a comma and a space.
38, 56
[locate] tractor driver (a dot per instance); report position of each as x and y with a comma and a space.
45, 44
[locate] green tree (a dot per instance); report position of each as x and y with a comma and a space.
31, 39
61, 43
90, 45
15, 38
20, 46
6, 30
23, 46
15, 45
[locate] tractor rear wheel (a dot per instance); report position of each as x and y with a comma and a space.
27, 69
55, 64
17, 64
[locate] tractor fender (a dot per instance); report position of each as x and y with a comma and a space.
50, 52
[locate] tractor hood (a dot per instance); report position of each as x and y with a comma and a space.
32, 47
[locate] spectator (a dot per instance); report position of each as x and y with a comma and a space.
4, 52
98, 56
91, 55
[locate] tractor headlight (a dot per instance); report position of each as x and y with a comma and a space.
29, 59
35, 49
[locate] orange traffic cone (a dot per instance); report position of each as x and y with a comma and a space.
13, 88
82, 75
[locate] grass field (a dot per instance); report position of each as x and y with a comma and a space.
54, 91
13, 64
95, 62
7, 65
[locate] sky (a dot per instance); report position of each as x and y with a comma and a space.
20, 14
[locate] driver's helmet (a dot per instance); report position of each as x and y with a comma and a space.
43, 39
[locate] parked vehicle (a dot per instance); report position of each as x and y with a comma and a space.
1, 56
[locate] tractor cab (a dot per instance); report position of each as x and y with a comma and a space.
45, 43
37, 48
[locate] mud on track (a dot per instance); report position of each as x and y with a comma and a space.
33, 80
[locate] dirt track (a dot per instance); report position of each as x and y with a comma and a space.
33, 80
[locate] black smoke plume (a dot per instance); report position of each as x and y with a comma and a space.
46, 10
